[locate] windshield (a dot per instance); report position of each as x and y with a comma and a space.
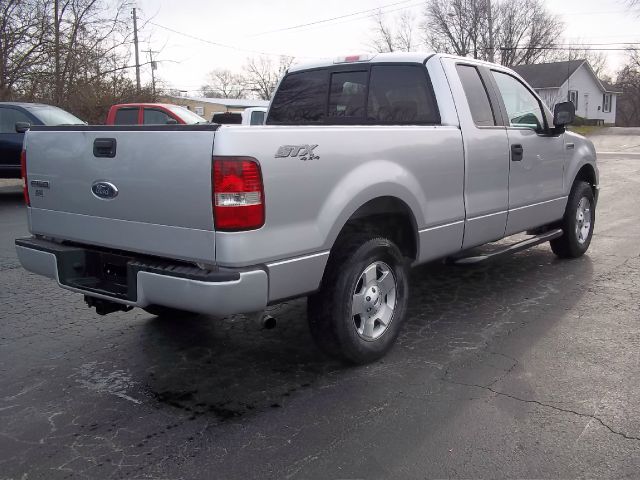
186, 115
55, 116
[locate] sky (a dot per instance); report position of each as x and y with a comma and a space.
194, 37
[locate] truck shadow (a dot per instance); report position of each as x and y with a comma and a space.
225, 369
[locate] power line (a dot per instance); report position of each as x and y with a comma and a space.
325, 20
578, 49
574, 44
224, 45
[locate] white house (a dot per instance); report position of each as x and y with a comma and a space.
576, 81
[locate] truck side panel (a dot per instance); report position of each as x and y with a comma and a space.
309, 201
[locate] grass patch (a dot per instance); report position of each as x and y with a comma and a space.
584, 129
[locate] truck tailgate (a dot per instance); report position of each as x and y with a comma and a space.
153, 195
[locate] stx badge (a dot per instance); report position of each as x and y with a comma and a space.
303, 152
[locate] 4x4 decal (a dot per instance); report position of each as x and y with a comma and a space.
303, 152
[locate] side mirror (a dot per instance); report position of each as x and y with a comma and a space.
564, 114
172, 121
22, 127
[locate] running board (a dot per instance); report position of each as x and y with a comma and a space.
510, 249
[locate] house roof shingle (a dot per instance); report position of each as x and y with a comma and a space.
610, 88
548, 75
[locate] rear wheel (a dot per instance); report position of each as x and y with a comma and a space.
358, 313
577, 223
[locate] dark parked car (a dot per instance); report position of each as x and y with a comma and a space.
25, 114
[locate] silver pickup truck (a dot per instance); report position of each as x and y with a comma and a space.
365, 167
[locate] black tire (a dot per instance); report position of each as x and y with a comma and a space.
570, 244
332, 325
168, 312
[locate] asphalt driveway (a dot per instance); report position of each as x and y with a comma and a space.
527, 367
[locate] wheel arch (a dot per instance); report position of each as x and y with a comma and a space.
385, 215
586, 173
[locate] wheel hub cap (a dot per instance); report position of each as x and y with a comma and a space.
583, 220
374, 301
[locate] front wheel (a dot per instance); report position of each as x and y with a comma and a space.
358, 313
577, 223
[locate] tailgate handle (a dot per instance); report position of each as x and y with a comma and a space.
104, 147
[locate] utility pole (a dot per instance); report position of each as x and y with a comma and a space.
135, 41
154, 67
491, 39
56, 51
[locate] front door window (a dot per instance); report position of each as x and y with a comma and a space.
523, 108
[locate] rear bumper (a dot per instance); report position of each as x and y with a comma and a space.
141, 282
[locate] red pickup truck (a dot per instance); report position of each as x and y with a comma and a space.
151, 114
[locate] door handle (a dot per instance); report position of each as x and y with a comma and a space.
104, 147
571, 146
517, 153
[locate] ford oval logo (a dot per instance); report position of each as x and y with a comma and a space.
104, 190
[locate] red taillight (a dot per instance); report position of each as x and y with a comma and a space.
238, 194
23, 172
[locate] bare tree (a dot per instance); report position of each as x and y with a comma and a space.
457, 26
522, 31
223, 84
86, 32
23, 28
633, 4
528, 32
71, 53
396, 37
628, 81
261, 75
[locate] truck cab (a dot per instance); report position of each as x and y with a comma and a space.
152, 114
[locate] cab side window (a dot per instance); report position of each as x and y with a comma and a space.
523, 108
477, 97
156, 117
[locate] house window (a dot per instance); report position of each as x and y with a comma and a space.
573, 97
199, 111
606, 103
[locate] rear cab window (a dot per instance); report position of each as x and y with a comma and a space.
348, 95
371, 94
301, 99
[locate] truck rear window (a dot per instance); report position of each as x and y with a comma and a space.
301, 99
227, 118
366, 95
